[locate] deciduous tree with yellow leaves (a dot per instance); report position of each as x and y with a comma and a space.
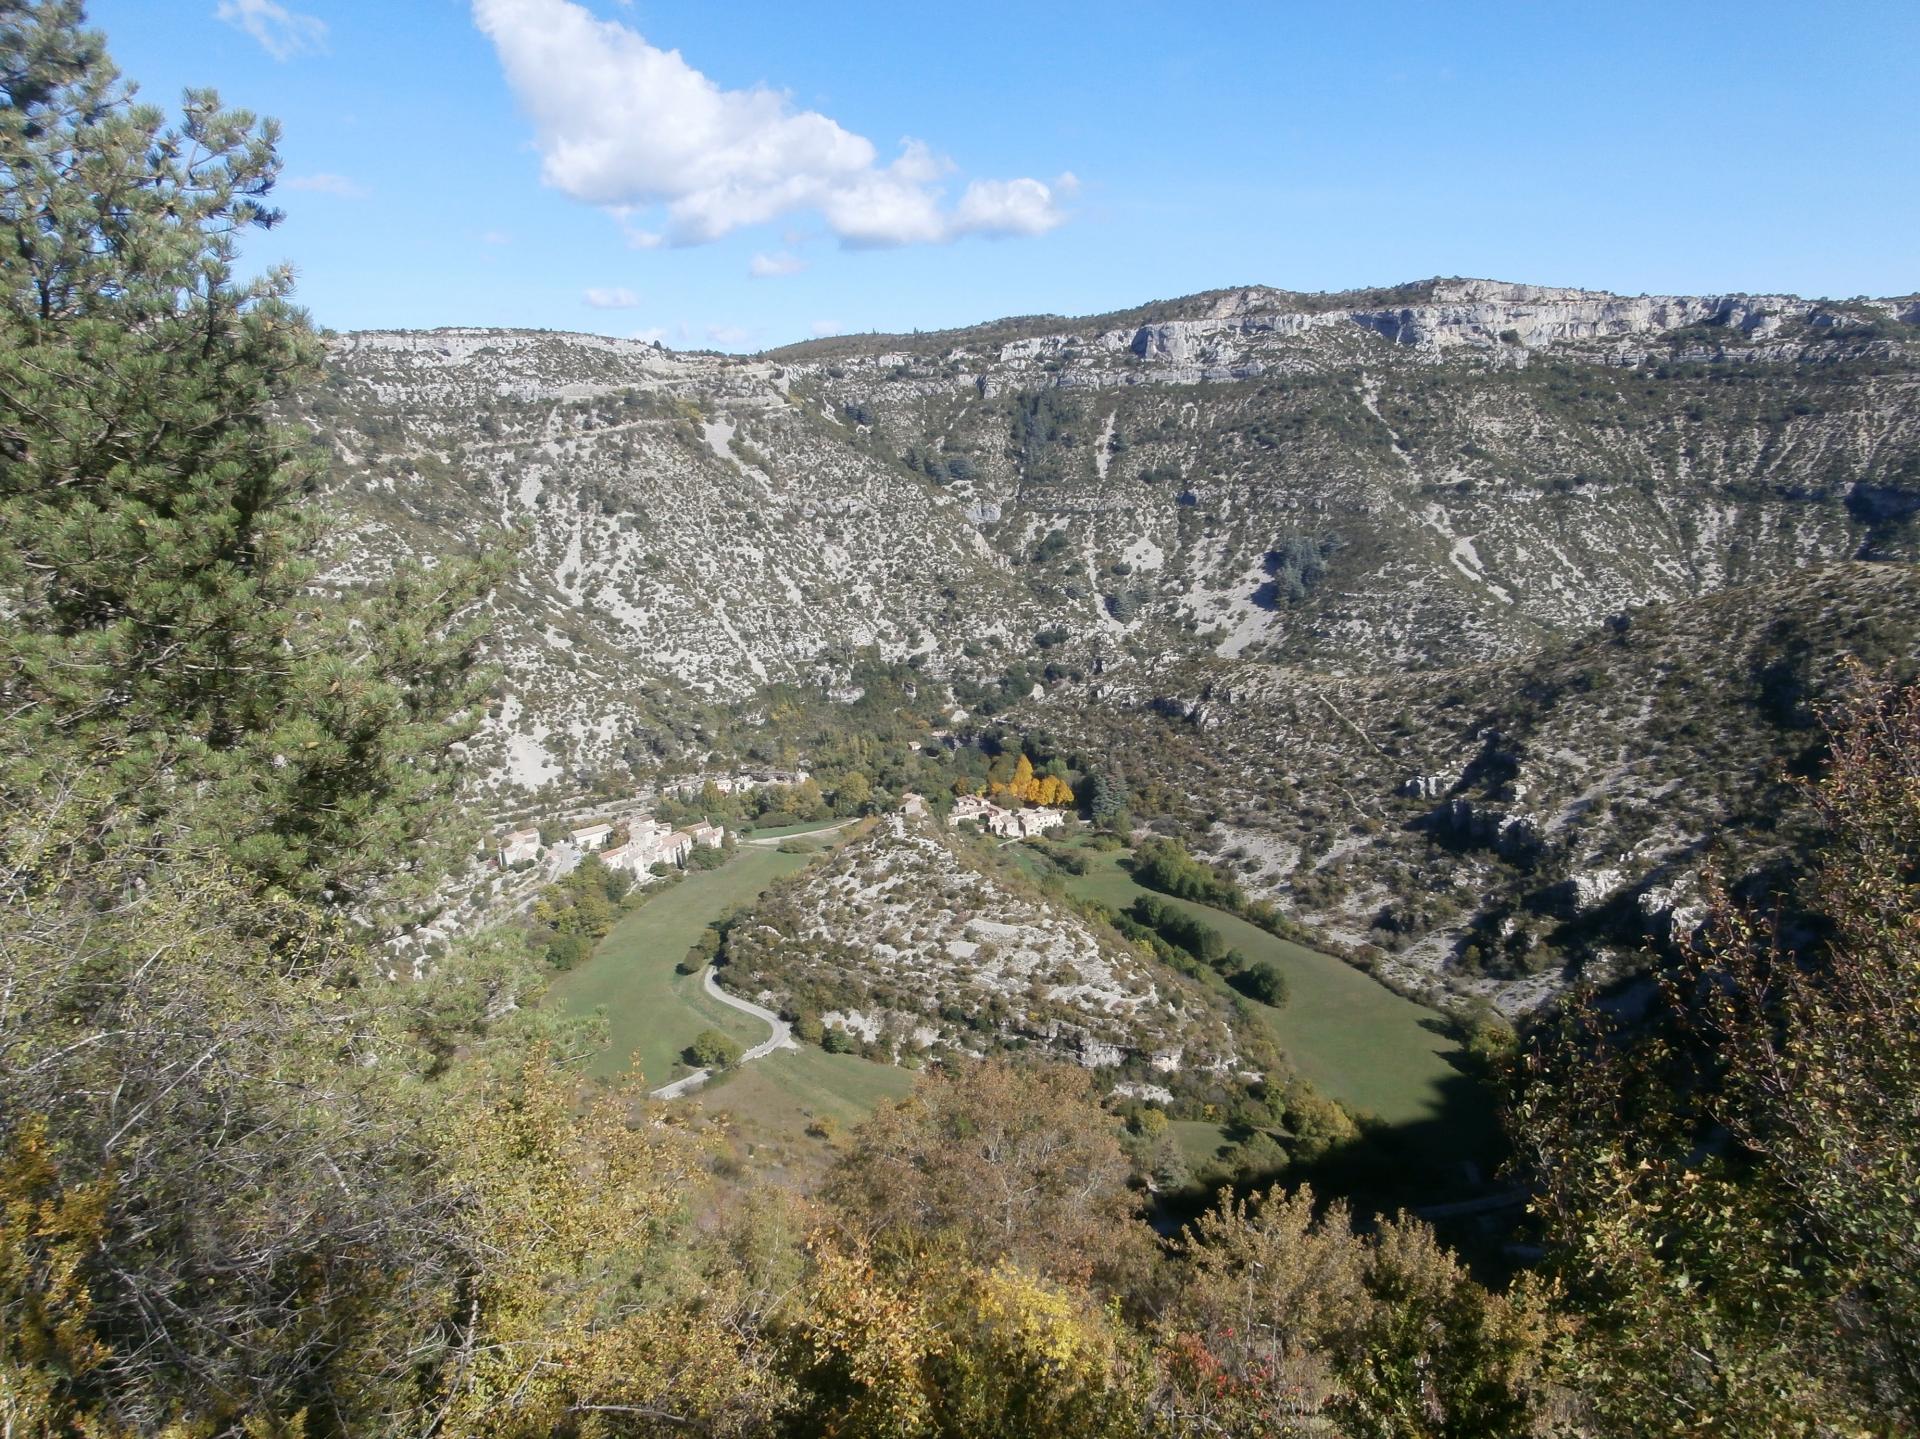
1029, 788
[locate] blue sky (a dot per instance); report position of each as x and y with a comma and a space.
553, 163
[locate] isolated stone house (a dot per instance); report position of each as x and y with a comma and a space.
518, 847
1006, 823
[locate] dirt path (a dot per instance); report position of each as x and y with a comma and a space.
778, 840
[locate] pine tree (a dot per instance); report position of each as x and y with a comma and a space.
167, 661
1109, 799
214, 770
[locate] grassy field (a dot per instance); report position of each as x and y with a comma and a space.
651, 1011
1354, 1038
785, 831
1199, 1141
783, 1093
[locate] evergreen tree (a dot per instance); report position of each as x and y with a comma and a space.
214, 770
168, 663
1108, 800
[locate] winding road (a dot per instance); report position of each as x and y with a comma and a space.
782, 1038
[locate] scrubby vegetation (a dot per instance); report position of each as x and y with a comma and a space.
574, 913
911, 942
254, 1181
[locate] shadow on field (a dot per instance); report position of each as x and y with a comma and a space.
1451, 1160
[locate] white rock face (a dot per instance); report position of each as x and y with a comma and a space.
1592, 888
1479, 314
905, 935
699, 527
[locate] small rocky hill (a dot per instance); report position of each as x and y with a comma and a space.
902, 937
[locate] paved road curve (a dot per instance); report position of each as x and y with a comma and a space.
782, 1038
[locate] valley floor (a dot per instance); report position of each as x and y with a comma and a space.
653, 1013
1352, 1037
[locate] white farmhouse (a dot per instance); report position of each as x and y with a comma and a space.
518, 847
653, 843
591, 836
1007, 823
1026, 823
971, 807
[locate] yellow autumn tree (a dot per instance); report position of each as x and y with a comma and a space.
1027, 787
1017, 786
563, 1210
950, 1348
1051, 790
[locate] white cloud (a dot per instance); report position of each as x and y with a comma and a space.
1006, 207
767, 267
617, 298
339, 186
623, 124
728, 335
495, 237
282, 33
822, 329
637, 237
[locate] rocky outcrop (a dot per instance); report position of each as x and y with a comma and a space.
698, 526
901, 929
1515, 836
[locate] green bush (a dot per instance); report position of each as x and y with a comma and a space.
1262, 981
1165, 865
712, 1050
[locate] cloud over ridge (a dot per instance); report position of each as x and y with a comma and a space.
623, 124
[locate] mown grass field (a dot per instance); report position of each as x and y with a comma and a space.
651, 1011
785, 831
654, 1013
1199, 1141
1354, 1038
783, 1093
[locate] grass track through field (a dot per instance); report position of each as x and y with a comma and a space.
782, 1093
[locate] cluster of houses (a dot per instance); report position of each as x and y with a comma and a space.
1007, 823
650, 842
632, 845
